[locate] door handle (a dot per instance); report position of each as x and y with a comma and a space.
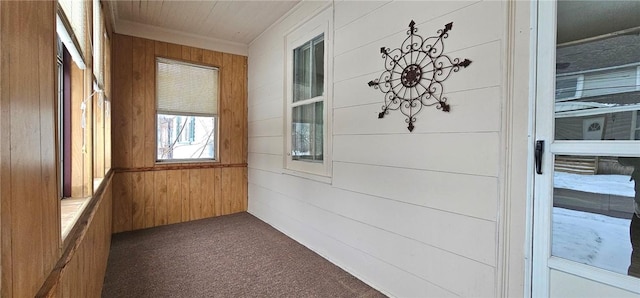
538, 155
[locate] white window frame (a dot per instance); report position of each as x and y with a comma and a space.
305, 32
216, 117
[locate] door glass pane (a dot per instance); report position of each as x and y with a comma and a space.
596, 211
306, 132
597, 77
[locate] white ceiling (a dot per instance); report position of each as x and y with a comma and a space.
226, 21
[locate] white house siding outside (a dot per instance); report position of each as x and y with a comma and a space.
412, 214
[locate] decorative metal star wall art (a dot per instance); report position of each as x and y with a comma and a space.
414, 73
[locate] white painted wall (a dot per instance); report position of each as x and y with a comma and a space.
412, 214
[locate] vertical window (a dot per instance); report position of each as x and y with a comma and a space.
308, 96
187, 107
64, 118
307, 115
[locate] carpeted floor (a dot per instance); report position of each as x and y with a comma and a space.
230, 256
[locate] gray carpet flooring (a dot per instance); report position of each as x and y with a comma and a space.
229, 256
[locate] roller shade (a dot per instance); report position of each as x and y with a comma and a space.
76, 14
186, 89
98, 50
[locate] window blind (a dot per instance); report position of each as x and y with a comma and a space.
76, 13
98, 51
186, 89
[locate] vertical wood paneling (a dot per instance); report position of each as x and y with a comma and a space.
171, 196
28, 175
226, 102
237, 111
138, 206
217, 205
29, 222
84, 274
227, 191
174, 51
174, 196
195, 194
122, 100
6, 262
160, 195
149, 156
207, 192
238, 189
196, 55
185, 194
139, 74
48, 157
149, 200
123, 201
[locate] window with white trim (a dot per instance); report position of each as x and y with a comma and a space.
308, 100
187, 111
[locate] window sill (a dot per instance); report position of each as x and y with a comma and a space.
70, 211
309, 176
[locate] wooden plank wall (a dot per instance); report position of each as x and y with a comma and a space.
147, 194
33, 256
30, 226
80, 272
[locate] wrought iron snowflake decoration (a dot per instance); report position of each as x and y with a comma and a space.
414, 74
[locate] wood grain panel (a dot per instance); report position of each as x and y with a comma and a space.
174, 196
149, 200
185, 194
122, 100
48, 152
123, 201
217, 205
139, 82
237, 109
6, 261
171, 193
226, 102
160, 195
28, 175
81, 269
207, 191
227, 192
138, 206
174, 51
149, 104
195, 195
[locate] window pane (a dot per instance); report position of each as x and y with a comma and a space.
566, 87
308, 69
318, 67
307, 132
186, 137
596, 212
602, 107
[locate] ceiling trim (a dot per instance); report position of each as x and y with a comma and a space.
179, 37
286, 15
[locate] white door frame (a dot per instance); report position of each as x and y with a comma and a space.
542, 262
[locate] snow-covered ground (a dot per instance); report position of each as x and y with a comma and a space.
590, 238
603, 184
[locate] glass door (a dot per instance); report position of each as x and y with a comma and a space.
587, 186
